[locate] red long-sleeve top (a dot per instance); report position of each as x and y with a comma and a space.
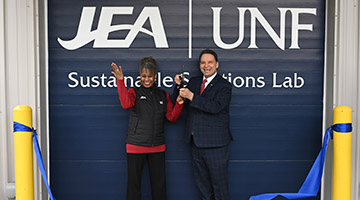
127, 99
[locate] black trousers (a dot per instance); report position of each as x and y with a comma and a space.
156, 164
211, 172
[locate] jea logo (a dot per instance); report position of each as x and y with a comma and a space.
100, 36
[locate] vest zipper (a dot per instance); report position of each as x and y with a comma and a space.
153, 118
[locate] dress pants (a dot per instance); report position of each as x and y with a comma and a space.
211, 172
156, 164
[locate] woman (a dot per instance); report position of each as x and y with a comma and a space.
145, 141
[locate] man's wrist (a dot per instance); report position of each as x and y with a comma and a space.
191, 96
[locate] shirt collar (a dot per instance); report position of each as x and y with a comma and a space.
209, 79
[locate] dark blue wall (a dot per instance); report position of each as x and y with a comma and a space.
277, 131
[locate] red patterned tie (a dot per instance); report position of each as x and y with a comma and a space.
202, 86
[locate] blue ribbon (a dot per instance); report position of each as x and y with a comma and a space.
21, 127
312, 182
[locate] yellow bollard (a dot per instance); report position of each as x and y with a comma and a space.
24, 177
342, 156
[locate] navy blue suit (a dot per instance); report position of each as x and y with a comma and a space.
208, 130
208, 119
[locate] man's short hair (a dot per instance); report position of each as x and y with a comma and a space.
208, 51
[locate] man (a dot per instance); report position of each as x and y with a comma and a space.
207, 128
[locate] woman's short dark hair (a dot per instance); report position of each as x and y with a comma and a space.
208, 51
148, 63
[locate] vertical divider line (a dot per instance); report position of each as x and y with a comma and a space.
190, 28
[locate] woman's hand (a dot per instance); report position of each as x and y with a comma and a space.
118, 73
180, 100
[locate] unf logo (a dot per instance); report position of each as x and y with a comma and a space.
100, 35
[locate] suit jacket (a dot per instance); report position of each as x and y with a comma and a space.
208, 113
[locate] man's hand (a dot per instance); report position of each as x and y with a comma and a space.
118, 73
186, 93
177, 79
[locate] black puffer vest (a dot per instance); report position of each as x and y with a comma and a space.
146, 123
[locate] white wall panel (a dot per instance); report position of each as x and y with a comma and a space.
346, 73
3, 119
356, 155
20, 71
